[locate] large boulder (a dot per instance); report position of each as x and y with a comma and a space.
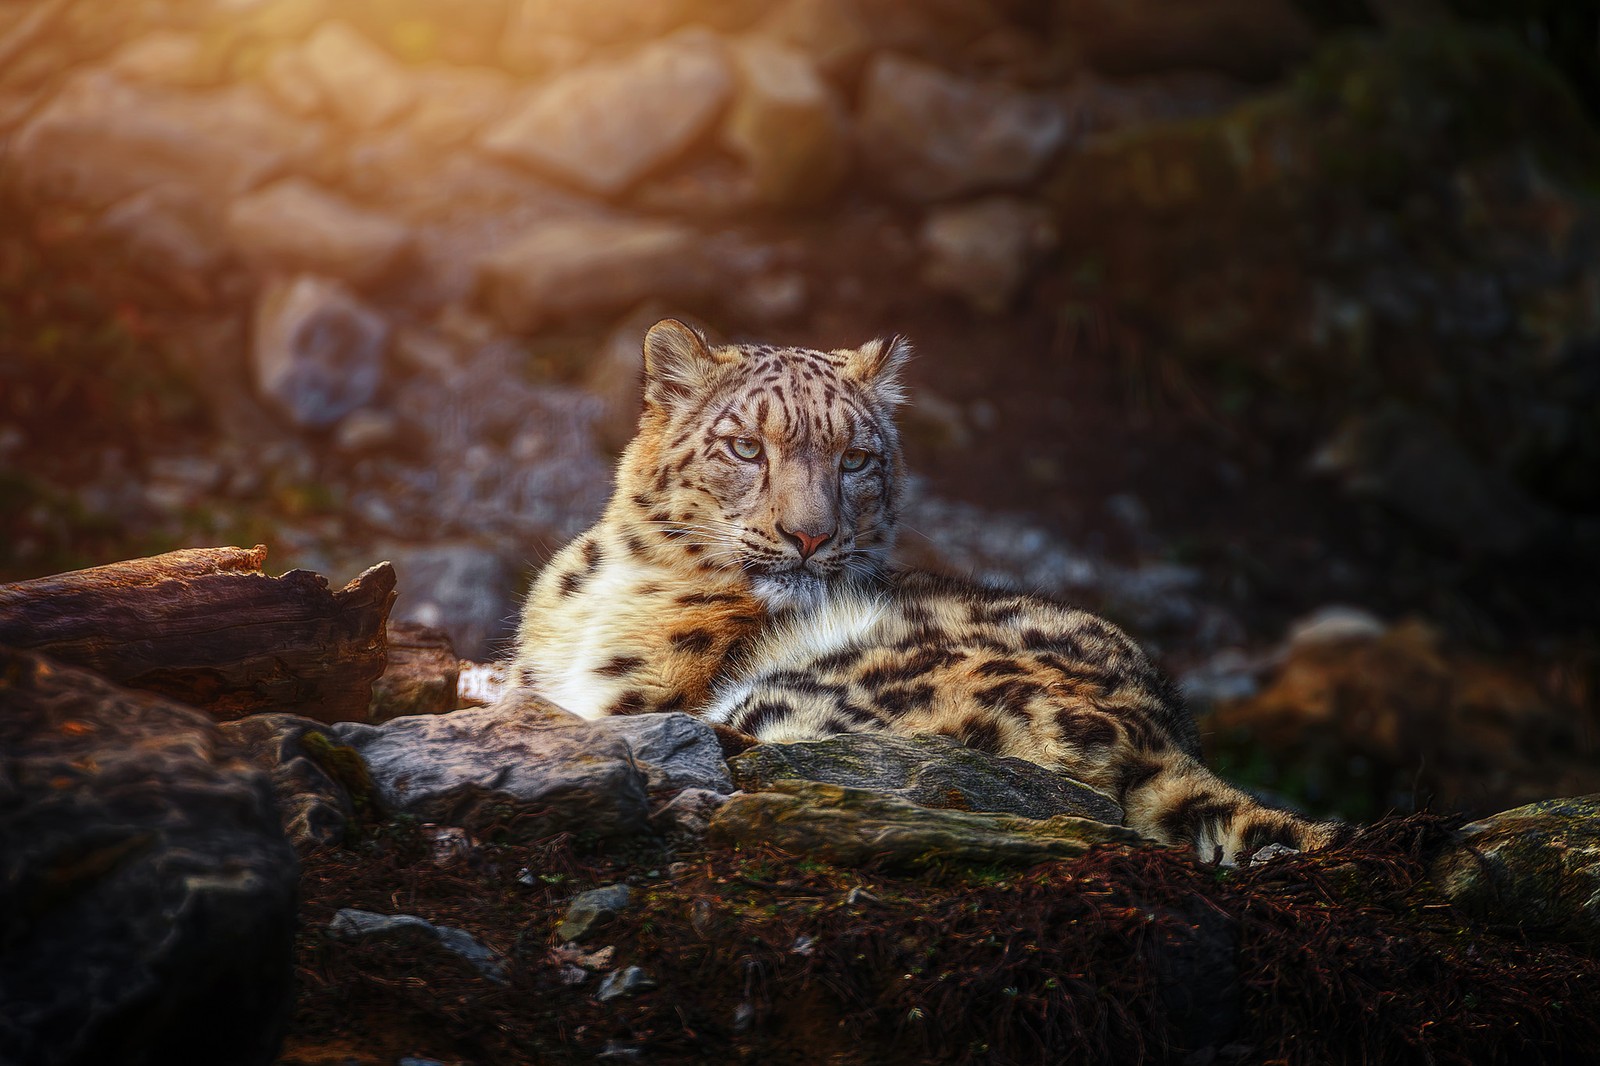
927, 771
927, 134
1535, 869
857, 827
147, 895
604, 126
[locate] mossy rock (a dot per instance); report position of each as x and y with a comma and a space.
927, 771
1535, 868
858, 827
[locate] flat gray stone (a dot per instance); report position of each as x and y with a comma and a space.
520, 752
605, 125
928, 135
983, 251
928, 771
352, 924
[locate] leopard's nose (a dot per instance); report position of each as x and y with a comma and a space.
808, 543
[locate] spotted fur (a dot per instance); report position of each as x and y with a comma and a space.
705, 588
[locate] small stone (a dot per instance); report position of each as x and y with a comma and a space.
786, 123
367, 431
352, 924
318, 352
1335, 624
928, 135
1270, 852
460, 587
605, 125
165, 57
450, 843
832, 32
294, 225
624, 982
412, 1060
688, 813
289, 79
593, 910
364, 86
984, 251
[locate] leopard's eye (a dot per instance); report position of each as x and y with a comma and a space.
852, 460
745, 448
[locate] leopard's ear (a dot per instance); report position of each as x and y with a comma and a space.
877, 365
678, 363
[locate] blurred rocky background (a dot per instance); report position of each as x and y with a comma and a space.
1270, 328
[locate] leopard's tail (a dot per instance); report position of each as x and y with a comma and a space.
1179, 801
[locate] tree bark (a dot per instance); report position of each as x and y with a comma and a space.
206, 626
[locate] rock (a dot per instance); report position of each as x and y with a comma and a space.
455, 103
463, 589
831, 32
352, 924
294, 226
604, 126
166, 57
1415, 466
593, 910
147, 896
615, 374
315, 806
288, 78
101, 140
1535, 869
928, 771
624, 982
576, 267
856, 827
524, 754
170, 237
422, 676
929, 135
1335, 624
786, 123
318, 351
1255, 39
359, 81
368, 431
688, 814
676, 751
983, 251
612, 21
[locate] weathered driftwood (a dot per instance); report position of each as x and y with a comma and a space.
206, 626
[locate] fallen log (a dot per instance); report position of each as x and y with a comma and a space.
206, 626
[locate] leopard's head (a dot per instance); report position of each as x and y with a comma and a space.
780, 467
